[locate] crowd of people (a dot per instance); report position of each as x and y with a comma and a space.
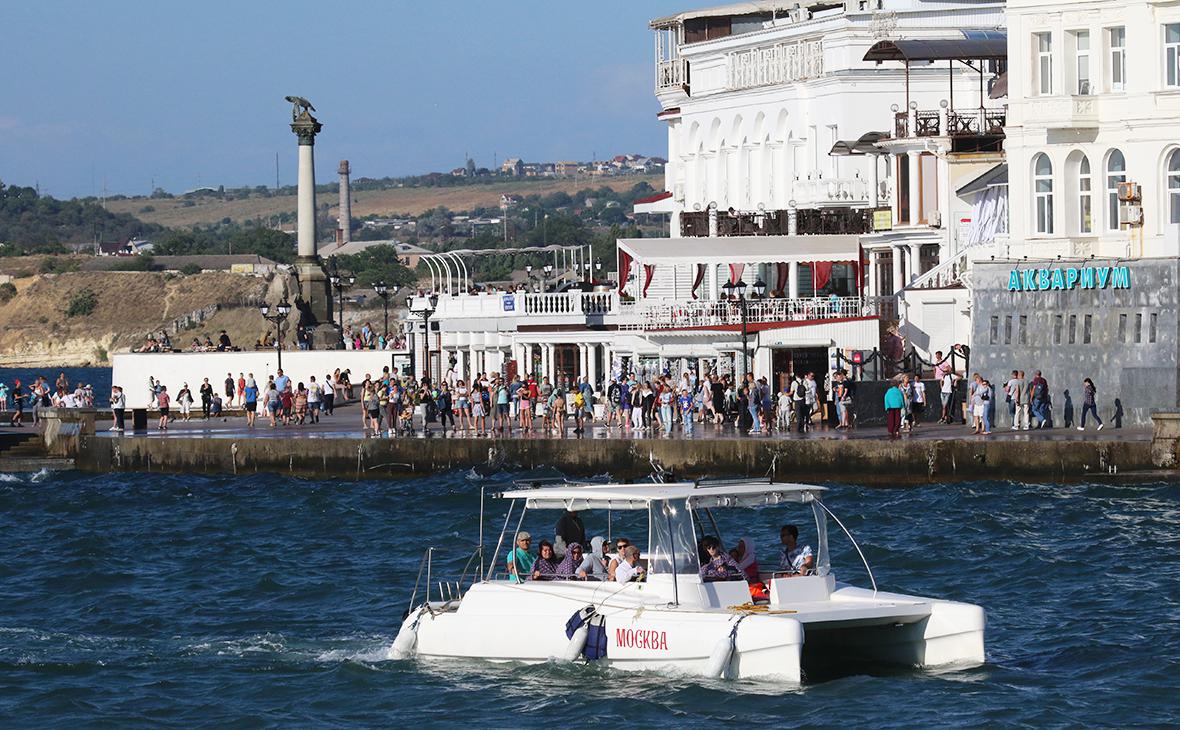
568, 556
367, 337
1028, 401
39, 395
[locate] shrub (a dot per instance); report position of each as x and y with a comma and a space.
148, 209
190, 269
82, 303
7, 292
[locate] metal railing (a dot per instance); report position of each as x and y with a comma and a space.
671, 74
929, 123
576, 302
683, 315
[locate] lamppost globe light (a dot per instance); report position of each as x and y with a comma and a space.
284, 308
351, 279
740, 288
760, 287
433, 302
548, 269
528, 269
379, 289
265, 309
410, 302
598, 265
335, 279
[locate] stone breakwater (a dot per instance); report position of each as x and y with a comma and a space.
863, 460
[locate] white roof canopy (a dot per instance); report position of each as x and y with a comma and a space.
639, 496
742, 249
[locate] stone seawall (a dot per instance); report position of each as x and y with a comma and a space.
862, 460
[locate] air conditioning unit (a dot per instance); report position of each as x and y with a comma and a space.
1131, 215
935, 219
1129, 191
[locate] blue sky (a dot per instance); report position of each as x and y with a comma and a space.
192, 93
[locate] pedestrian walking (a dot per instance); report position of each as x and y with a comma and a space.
1089, 404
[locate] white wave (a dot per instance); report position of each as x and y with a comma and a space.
10, 478
40, 476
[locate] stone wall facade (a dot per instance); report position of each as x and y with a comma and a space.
1113, 321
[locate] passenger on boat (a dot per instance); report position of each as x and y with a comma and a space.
719, 566
745, 555
597, 561
545, 567
569, 529
795, 559
520, 559
621, 545
571, 567
629, 568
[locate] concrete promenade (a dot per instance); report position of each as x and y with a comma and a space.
337, 448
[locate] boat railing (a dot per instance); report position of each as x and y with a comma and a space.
448, 591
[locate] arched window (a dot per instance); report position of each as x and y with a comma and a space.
1043, 193
1174, 187
1116, 172
1085, 197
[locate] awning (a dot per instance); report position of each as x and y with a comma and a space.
865, 145
721, 11
994, 177
954, 49
659, 203
742, 249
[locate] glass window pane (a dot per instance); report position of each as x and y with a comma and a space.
1172, 32
672, 538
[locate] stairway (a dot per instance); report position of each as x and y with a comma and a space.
23, 450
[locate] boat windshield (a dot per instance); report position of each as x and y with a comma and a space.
671, 541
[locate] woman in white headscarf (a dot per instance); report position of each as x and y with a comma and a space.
594, 563
747, 559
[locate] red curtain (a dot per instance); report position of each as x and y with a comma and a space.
696, 282
649, 271
783, 270
735, 272
821, 271
624, 269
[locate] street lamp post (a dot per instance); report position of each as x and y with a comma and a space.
738, 297
384, 292
282, 310
426, 306
339, 283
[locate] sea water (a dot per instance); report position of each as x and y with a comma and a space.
177, 601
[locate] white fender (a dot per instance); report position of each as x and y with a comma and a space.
719, 658
577, 642
406, 641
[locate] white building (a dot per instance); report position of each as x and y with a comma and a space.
784, 147
1094, 98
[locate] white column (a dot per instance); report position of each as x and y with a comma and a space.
472, 363
583, 360
306, 205
915, 261
461, 365
871, 279
897, 281
793, 280
592, 355
547, 361
875, 193
915, 188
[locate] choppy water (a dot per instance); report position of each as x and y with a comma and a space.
176, 601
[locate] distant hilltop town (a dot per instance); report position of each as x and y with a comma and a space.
617, 165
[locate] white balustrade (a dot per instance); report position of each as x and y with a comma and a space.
781, 63
686, 315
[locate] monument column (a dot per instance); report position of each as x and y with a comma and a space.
314, 300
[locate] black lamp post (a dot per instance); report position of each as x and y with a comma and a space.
282, 310
339, 283
426, 306
384, 292
738, 298
548, 269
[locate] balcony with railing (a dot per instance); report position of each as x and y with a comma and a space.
797, 222
576, 306
656, 316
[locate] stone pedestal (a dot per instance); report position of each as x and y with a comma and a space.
315, 303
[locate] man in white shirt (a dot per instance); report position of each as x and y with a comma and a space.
794, 558
947, 388
629, 569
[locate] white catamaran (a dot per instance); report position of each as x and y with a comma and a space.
674, 619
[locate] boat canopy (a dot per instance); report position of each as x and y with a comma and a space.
737, 493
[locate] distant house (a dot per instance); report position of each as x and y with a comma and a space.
111, 249
531, 169
507, 201
512, 166
140, 246
407, 253
459, 172
235, 263
566, 168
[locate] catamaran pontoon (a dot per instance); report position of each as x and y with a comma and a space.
674, 619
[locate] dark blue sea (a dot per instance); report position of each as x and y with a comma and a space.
146, 600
